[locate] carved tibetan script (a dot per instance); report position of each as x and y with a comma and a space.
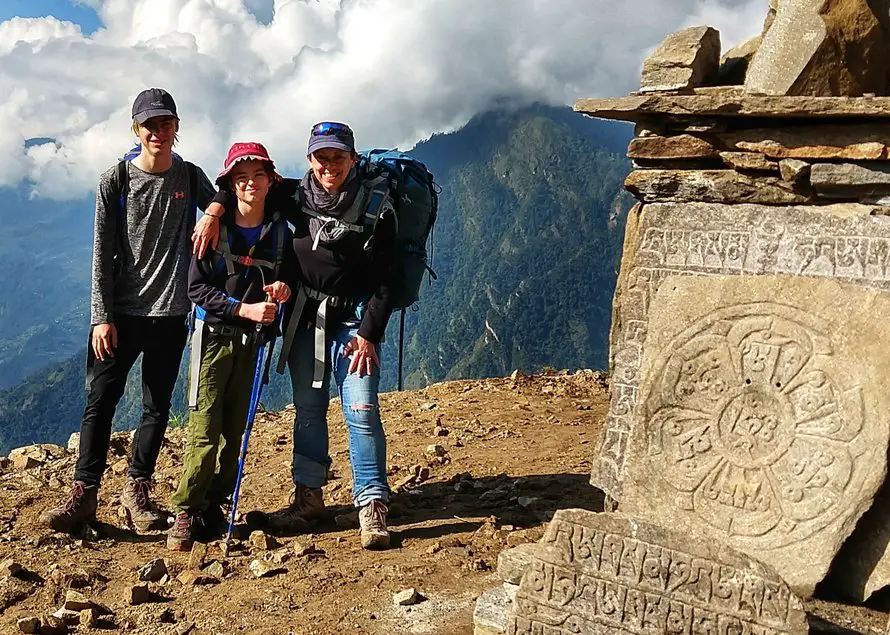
842, 242
761, 419
611, 574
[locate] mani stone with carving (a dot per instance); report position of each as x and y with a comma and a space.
611, 574
685, 59
842, 241
823, 47
762, 416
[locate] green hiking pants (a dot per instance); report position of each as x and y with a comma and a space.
215, 427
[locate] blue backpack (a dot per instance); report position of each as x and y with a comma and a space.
410, 187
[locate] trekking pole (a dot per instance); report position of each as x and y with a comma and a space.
401, 345
255, 392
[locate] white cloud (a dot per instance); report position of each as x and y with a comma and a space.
396, 71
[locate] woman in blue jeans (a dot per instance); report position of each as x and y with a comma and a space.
341, 307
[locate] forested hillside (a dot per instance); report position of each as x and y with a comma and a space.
526, 249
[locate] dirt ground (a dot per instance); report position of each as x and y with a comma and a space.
511, 452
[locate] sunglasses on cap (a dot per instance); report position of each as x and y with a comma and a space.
331, 128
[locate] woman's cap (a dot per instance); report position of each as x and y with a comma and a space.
153, 102
244, 152
330, 134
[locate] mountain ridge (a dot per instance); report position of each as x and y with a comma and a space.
526, 249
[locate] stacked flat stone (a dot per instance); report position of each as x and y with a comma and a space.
748, 358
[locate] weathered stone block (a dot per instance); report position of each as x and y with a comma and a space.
715, 186
753, 161
610, 574
490, 613
795, 171
851, 180
685, 59
659, 148
512, 563
732, 102
842, 141
829, 47
762, 415
840, 241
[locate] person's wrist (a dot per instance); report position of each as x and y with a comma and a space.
216, 216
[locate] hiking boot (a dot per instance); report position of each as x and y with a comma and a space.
372, 520
306, 503
180, 536
141, 512
215, 520
76, 512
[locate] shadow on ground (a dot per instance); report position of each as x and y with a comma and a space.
521, 501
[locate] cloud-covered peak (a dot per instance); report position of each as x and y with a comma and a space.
267, 69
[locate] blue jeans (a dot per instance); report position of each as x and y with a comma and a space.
361, 410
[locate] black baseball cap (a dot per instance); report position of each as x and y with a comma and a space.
331, 134
153, 102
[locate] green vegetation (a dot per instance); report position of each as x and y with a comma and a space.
526, 248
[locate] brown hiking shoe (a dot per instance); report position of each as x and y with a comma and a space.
141, 512
180, 537
306, 503
372, 519
77, 511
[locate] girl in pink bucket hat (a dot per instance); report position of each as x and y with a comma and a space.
235, 290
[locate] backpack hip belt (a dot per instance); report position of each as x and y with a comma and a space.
202, 329
302, 295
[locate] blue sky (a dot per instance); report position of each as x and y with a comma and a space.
62, 9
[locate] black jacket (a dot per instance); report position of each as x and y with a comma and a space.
343, 268
216, 293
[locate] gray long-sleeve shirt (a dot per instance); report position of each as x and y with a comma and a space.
153, 277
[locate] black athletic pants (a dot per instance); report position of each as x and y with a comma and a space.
161, 341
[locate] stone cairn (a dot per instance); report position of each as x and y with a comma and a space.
747, 439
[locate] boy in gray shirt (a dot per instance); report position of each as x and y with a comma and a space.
145, 212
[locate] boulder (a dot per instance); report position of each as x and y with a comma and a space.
826, 47
197, 556
406, 597
685, 59
28, 457
265, 569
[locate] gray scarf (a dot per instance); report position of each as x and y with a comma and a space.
332, 206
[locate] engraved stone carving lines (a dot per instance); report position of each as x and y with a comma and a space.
818, 248
755, 425
590, 580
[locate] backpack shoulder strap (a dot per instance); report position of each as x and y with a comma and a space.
280, 237
193, 197
223, 251
121, 188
